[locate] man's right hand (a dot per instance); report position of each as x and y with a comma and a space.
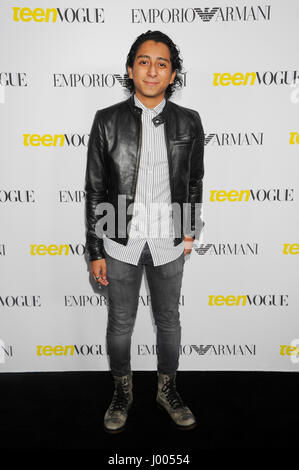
98, 270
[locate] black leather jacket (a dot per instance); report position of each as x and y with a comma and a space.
113, 155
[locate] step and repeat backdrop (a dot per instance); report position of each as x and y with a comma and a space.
240, 296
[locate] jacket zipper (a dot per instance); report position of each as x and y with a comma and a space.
138, 160
168, 158
169, 169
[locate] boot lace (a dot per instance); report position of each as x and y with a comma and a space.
120, 398
173, 397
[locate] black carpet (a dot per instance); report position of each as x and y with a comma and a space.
64, 410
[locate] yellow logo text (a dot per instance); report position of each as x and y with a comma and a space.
38, 14
292, 249
49, 250
237, 79
294, 138
289, 350
47, 140
56, 350
228, 300
233, 195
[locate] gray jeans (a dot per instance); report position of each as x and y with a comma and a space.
123, 293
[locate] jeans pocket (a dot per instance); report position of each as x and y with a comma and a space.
173, 268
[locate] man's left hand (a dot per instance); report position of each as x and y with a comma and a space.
188, 243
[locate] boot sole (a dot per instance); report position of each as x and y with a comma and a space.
115, 431
177, 426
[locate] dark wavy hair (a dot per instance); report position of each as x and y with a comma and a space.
176, 61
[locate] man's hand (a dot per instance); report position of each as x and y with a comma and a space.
98, 270
188, 242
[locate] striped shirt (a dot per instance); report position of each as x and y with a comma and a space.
152, 220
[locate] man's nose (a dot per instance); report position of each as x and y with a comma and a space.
152, 71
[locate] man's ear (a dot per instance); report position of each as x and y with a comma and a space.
130, 72
173, 77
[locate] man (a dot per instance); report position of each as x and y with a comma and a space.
149, 151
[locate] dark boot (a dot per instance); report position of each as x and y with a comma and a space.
169, 399
116, 416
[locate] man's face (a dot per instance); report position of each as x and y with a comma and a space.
151, 72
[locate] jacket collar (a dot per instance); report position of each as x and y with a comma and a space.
159, 119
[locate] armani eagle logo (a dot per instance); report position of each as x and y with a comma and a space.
208, 138
206, 14
201, 350
202, 249
122, 79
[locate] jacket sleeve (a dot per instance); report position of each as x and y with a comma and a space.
95, 187
196, 181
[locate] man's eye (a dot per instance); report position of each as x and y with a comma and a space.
162, 64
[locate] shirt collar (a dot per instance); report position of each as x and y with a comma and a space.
155, 111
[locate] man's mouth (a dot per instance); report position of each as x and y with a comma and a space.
151, 83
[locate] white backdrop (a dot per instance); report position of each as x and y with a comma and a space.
55, 74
